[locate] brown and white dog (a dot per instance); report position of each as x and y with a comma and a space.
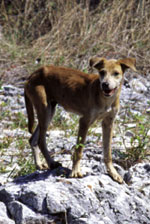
91, 96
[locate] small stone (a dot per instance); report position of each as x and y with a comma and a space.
148, 111
148, 133
97, 131
129, 133
127, 177
147, 167
131, 125
138, 86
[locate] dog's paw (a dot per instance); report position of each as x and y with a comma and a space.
44, 166
114, 174
117, 178
76, 174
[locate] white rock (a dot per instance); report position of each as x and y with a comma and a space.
138, 86
96, 130
56, 133
129, 133
4, 219
148, 133
131, 125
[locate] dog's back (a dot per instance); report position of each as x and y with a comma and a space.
67, 87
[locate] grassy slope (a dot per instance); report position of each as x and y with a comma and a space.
64, 32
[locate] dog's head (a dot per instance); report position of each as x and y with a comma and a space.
111, 72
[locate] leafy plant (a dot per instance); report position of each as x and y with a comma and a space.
78, 145
27, 166
21, 143
139, 148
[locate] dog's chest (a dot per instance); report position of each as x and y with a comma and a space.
99, 113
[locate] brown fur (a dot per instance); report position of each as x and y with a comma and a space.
91, 96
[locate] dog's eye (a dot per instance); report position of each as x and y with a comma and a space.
116, 73
102, 73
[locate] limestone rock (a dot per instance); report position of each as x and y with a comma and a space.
4, 218
45, 196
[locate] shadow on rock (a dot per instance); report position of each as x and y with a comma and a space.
43, 175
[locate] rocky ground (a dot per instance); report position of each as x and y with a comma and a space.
52, 197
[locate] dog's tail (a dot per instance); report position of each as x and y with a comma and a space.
30, 112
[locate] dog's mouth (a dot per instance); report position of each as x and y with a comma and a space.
109, 92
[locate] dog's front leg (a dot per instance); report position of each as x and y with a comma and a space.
78, 149
107, 126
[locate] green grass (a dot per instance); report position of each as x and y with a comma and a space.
5, 142
19, 121
27, 166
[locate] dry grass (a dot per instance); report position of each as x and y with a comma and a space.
64, 32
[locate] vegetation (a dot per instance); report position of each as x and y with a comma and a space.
137, 148
69, 32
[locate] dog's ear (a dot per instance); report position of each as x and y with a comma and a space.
127, 63
97, 62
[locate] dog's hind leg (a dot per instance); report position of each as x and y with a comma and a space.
44, 117
35, 149
34, 145
34, 140
45, 111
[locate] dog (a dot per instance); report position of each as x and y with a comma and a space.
91, 96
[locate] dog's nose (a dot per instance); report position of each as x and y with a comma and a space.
105, 85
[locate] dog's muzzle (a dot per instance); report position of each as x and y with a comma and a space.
106, 90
